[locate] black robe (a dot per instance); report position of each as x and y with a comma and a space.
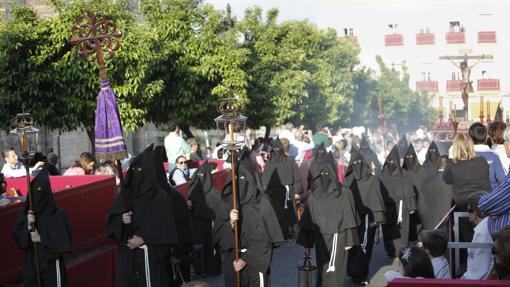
329, 223
258, 228
417, 174
370, 208
281, 181
431, 163
437, 199
205, 202
152, 220
53, 227
369, 155
399, 199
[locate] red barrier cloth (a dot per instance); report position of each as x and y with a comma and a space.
407, 282
86, 203
96, 269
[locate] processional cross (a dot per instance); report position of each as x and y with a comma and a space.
466, 85
96, 39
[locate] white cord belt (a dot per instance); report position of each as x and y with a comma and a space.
147, 268
332, 258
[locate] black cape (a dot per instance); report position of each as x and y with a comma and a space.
402, 145
437, 199
370, 208
52, 225
368, 154
329, 223
205, 202
280, 173
152, 220
399, 199
258, 226
431, 163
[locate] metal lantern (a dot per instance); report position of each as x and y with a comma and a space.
231, 125
307, 273
23, 136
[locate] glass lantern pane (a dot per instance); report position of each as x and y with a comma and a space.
24, 141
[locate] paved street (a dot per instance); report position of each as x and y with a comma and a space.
285, 260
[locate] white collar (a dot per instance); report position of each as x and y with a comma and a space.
482, 148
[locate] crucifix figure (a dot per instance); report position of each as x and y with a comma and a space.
466, 86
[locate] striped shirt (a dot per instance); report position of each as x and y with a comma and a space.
496, 205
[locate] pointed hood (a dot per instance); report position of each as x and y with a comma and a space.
277, 153
141, 178
202, 178
392, 163
410, 159
42, 195
358, 167
403, 145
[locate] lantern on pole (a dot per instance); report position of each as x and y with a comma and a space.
307, 273
231, 127
23, 138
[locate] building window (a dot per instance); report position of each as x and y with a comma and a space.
348, 32
392, 28
455, 26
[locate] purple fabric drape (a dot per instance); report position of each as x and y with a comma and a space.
109, 137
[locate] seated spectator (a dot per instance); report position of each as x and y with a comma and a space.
435, 244
413, 262
480, 260
196, 153
501, 252
478, 133
85, 166
180, 174
208, 153
13, 167
3, 185
51, 164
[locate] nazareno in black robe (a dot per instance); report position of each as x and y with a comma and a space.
329, 223
258, 227
205, 202
431, 163
370, 208
417, 174
369, 155
281, 181
179, 270
53, 227
399, 199
152, 220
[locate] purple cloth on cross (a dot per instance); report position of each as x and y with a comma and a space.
109, 136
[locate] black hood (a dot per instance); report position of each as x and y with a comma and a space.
410, 159
202, 178
42, 196
403, 145
277, 153
392, 163
325, 183
142, 178
364, 143
358, 166
322, 158
433, 154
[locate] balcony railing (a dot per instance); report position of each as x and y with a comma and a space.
394, 40
487, 37
431, 86
488, 85
453, 85
425, 38
455, 37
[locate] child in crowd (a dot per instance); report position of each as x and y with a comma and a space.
480, 260
435, 243
413, 262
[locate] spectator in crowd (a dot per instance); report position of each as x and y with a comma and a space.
435, 242
303, 143
84, 166
208, 153
480, 260
51, 164
496, 205
421, 151
478, 133
108, 168
413, 262
196, 153
3, 186
256, 158
175, 145
13, 167
180, 174
501, 252
496, 134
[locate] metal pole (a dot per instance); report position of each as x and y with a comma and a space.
234, 196
59, 153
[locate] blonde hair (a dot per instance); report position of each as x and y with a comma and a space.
462, 148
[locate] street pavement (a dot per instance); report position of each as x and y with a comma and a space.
286, 258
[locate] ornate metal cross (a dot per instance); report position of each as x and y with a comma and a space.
96, 38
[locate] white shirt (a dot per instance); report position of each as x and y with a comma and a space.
503, 157
441, 268
302, 147
175, 146
15, 171
422, 154
480, 260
